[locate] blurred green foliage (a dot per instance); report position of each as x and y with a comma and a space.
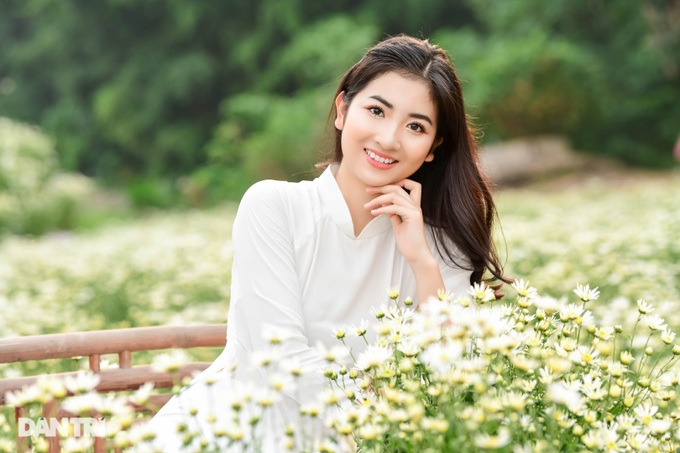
610, 70
35, 197
193, 101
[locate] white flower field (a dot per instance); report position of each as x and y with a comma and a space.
622, 237
615, 238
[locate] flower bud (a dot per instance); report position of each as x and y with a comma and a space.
577, 430
626, 358
590, 417
406, 365
434, 391
604, 348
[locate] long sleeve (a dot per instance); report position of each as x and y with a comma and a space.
265, 286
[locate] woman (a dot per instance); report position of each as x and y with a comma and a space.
402, 203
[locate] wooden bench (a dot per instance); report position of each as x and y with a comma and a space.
93, 345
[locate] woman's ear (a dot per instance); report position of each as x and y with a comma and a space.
430, 156
340, 109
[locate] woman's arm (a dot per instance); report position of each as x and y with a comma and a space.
265, 286
429, 279
401, 201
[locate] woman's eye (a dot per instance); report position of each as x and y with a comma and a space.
415, 127
377, 111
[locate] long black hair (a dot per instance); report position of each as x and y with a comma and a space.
456, 195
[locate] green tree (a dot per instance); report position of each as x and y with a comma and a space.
273, 133
159, 88
621, 58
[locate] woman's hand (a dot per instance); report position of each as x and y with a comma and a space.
406, 216
409, 231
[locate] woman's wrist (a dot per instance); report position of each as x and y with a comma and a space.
424, 265
428, 277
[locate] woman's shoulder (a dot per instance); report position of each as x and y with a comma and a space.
264, 190
271, 205
269, 190
281, 198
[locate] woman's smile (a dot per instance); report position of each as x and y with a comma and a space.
388, 131
379, 160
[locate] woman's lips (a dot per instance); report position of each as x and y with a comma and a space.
379, 161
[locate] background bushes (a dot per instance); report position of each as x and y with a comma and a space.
193, 101
35, 197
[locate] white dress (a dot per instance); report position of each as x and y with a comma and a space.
299, 266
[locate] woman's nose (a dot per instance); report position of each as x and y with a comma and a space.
388, 137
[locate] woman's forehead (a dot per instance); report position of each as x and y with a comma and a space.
400, 91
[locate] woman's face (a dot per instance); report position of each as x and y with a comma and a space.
388, 130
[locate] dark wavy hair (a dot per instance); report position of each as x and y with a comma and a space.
456, 195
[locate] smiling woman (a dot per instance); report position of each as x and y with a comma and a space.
402, 204
394, 136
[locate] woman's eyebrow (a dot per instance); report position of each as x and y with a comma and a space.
389, 105
377, 97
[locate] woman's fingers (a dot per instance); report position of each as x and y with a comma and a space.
391, 189
401, 203
388, 199
405, 213
400, 188
414, 188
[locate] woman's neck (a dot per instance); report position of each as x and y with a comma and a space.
354, 193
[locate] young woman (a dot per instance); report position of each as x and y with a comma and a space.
402, 203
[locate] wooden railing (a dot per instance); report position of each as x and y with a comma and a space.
93, 345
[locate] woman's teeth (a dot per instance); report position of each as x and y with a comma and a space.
377, 158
